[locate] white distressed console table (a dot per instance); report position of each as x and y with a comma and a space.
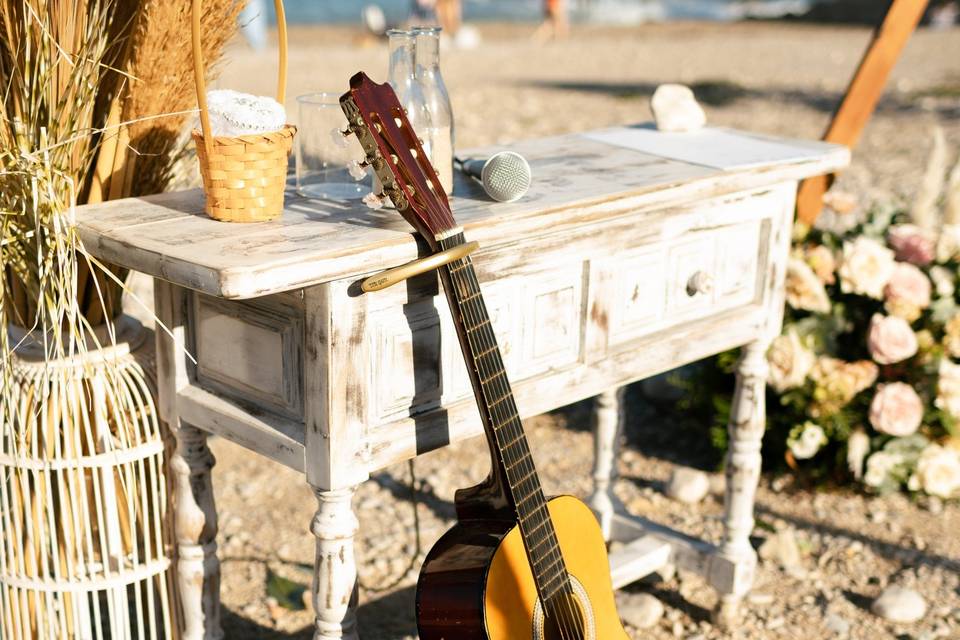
634, 252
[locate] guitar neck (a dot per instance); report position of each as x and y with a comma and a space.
511, 453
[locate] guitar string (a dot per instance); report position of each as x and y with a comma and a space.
477, 336
465, 292
561, 605
504, 415
490, 372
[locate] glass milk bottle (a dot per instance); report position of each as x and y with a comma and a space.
440, 134
403, 80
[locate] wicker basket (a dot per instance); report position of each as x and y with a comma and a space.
243, 177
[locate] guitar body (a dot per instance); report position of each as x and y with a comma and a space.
476, 583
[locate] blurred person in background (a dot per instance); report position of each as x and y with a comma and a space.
422, 12
555, 24
450, 16
253, 23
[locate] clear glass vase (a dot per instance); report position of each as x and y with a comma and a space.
428, 77
402, 77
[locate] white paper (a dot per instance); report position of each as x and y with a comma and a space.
713, 147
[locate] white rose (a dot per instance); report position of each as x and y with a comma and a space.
865, 267
879, 467
896, 409
790, 362
948, 244
943, 281
804, 289
938, 471
858, 446
948, 388
807, 442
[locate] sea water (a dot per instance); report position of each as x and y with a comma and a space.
601, 11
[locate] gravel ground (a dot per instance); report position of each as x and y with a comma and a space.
775, 78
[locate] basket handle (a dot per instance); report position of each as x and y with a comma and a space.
198, 65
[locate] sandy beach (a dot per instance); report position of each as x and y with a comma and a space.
774, 78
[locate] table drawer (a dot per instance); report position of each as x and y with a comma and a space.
689, 276
416, 363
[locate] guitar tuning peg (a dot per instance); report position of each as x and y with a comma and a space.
357, 170
374, 200
340, 137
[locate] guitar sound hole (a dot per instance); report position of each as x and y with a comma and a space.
568, 616
565, 620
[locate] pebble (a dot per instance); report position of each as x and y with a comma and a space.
878, 516
675, 108
718, 484
667, 572
640, 610
761, 598
782, 548
274, 609
836, 624
687, 485
934, 505
677, 629
899, 604
776, 623
779, 483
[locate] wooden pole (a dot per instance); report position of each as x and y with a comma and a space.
862, 95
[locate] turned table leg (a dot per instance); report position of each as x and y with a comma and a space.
195, 524
335, 577
608, 417
747, 420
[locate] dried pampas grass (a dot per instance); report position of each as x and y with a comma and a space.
157, 79
139, 152
951, 210
84, 545
924, 212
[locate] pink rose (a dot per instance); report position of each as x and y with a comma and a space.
890, 339
896, 409
912, 244
908, 291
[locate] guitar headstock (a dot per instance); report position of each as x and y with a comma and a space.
394, 151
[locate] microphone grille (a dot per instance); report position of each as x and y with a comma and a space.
506, 176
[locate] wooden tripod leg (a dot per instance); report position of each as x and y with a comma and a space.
862, 95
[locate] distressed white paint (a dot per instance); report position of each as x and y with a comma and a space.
575, 180
195, 514
335, 576
747, 420
618, 265
608, 419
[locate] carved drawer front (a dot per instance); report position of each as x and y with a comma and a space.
251, 350
405, 364
506, 323
416, 362
693, 276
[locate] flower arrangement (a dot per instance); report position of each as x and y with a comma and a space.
865, 379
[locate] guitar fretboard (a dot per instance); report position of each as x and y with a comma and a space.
503, 425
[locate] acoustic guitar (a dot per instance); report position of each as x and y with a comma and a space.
517, 565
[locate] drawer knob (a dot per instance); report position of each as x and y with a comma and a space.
700, 282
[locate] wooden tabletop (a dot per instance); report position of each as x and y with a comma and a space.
577, 179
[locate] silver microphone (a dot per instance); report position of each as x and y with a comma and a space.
505, 175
